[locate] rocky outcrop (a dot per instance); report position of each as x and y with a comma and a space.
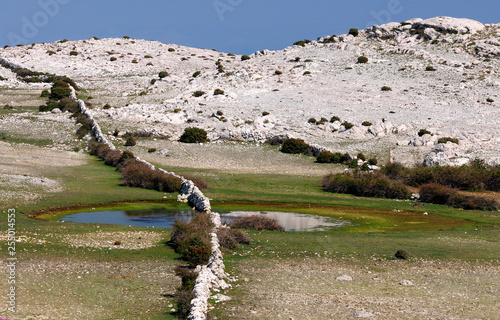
450, 25
445, 155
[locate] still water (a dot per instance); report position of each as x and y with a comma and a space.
166, 218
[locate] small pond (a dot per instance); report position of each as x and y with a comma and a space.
166, 218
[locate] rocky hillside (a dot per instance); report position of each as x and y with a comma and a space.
441, 75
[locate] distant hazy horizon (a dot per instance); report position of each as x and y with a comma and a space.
238, 26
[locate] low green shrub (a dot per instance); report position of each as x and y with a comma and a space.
334, 118
312, 120
301, 43
196, 74
361, 156
163, 74
430, 68
306, 73
245, 57
230, 238
171, 50
386, 88
324, 157
73, 53
278, 72
362, 59
45, 93
402, 254
421, 132
193, 135
198, 93
265, 113
151, 150
218, 92
130, 142
257, 222
354, 32
367, 123
365, 185
294, 146
447, 139
347, 125
113, 59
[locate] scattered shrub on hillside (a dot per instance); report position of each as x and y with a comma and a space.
193, 135
45, 93
50, 52
347, 125
135, 61
73, 53
116, 133
334, 118
306, 73
372, 161
490, 100
163, 74
265, 113
354, 31
361, 156
151, 150
294, 146
312, 120
430, 68
148, 56
130, 142
402, 254
245, 57
447, 139
366, 123
365, 185
301, 43
218, 92
438, 194
257, 222
353, 164
421, 132
171, 49
152, 82
435, 193
362, 59
196, 74
113, 59
198, 93
386, 88
278, 72
126, 37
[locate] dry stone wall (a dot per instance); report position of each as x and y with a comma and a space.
211, 276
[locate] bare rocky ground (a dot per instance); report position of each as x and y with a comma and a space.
312, 288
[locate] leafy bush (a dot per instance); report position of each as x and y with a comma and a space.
257, 222
171, 49
113, 59
354, 31
196, 74
245, 57
45, 93
490, 100
386, 88
265, 113
362, 59
438, 194
372, 161
192, 240
73, 53
163, 74
59, 90
294, 146
361, 156
402, 254
447, 139
135, 61
347, 125
312, 120
421, 132
324, 157
151, 150
218, 92
306, 73
365, 185
366, 123
152, 82
430, 68
334, 118
201, 184
301, 43
198, 93
278, 72
435, 193
193, 135
130, 142
185, 294
231, 238
140, 175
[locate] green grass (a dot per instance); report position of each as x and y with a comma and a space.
90, 184
5, 137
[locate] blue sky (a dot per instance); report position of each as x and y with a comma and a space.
238, 26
